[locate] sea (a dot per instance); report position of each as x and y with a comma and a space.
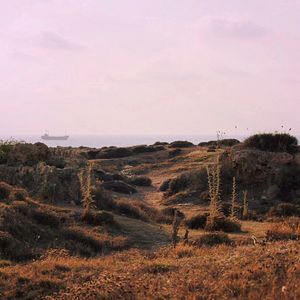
98, 141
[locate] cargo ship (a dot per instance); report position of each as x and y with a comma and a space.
48, 137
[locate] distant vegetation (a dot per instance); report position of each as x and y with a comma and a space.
273, 142
5, 148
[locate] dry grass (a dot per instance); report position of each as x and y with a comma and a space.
222, 272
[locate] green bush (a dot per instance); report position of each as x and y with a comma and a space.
213, 239
19, 194
181, 144
5, 149
5, 190
273, 142
197, 221
98, 218
287, 179
284, 210
140, 181
45, 217
131, 209
222, 224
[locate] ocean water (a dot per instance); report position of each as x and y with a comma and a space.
98, 141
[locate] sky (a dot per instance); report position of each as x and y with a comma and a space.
149, 66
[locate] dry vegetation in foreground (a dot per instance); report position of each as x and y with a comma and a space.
186, 272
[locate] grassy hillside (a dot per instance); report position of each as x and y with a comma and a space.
120, 245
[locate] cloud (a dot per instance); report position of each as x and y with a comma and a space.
241, 29
51, 40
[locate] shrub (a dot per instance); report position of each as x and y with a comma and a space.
284, 210
87, 239
197, 221
288, 179
98, 218
115, 153
165, 185
140, 181
44, 217
5, 190
12, 248
213, 239
181, 144
175, 152
279, 142
146, 149
287, 230
119, 187
5, 149
166, 215
157, 268
170, 211
222, 224
131, 209
19, 194
102, 199
178, 184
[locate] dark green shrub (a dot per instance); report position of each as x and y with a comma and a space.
102, 199
175, 152
85, 238
131, 209
213, 239
140, 181
119, 186
181, 144
5, 149
178, 184
284, 210
197, 221
5, 190
288, 179
115, 153
98, 218
12, 248
165, 185
222, 224
146, 149
44, 217
19, 194
273, 142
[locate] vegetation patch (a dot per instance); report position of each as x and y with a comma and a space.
284, 210
213, 239
222, 224
140, 181
181, 144
197, 221
273, 142
98, 218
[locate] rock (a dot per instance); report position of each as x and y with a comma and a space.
119, 187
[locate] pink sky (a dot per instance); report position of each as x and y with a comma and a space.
149, 66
